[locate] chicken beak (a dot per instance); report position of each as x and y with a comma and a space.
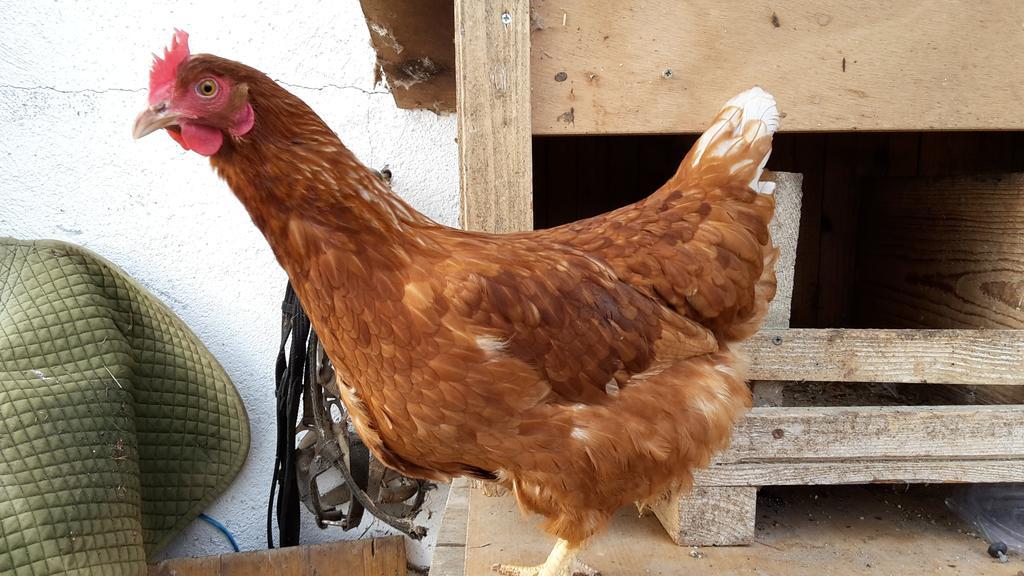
154, 118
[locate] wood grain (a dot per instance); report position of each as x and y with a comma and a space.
861, 472
834, 66
492, 48
414, 48
944, 253
785, 231
450, 548
710, 516
845, 434
906, 356
848, 530
370, 557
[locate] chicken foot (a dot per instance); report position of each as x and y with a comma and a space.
561, 562
488, 488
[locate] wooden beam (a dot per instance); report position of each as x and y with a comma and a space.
785, 231
656, 66
369, 557
414, 48
450, 549
710, 516
902, 356
843, 434
861, 472
492, 48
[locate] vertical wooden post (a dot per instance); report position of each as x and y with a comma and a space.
492, 60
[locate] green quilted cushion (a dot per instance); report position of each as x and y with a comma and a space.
117, 426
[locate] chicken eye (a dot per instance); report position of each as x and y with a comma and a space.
207, 88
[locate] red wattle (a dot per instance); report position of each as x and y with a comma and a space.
202, 139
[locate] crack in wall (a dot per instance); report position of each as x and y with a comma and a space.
335, 86
65, 91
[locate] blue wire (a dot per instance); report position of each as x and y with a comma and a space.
213, 522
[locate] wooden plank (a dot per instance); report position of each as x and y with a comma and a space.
370, 557
450, 548
414, 48
785, 231
861, 472
949, 254
806, 531
281, 562
378, 556
905, 356
710, 516
492, 48
820, 434
205, 566
654, 66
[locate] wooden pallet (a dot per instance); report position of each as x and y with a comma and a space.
543, 68
500, 109
801, 531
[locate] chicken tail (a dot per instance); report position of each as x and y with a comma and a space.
735, 148
727, 164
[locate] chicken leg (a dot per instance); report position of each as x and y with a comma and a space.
561, 562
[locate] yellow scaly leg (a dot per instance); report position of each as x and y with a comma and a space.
561, 562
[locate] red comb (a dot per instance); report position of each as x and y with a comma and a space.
165, 70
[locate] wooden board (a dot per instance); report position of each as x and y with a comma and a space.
492, 48
449, 557
845, 434
710, 515
861, 472
839, 355
371, 557
414, 48
948, 253
800, 532
655, 66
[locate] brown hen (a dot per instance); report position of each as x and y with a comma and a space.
584, 367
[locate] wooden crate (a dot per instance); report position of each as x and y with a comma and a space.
541, 85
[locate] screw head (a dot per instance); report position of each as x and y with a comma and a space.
506, 18
777, 340
997, 549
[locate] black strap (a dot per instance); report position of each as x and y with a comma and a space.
289, 378
298, 381
359, 459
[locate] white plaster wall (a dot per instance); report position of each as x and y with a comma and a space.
72, 78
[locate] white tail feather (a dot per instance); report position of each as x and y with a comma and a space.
746, 118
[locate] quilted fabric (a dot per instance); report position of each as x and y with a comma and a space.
117, 426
